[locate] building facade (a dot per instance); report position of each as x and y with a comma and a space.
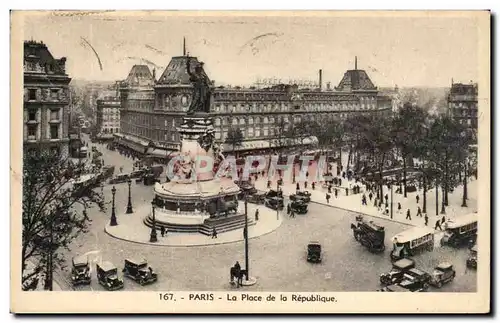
152, 112
108, 115
462, 104
46, 100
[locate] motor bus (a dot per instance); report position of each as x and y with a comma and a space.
412, 241
460, 231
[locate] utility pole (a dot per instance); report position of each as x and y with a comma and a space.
245, 234
437, 196
392, 204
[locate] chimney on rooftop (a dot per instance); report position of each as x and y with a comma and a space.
355, 62
328, 86
320, 79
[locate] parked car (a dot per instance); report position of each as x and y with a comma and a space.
472, 260
314, 252
274, 200
149, 179
415, 280
107, 276
257, 198
399, 268
304, 196
443, 273
138, 270
299, 207
80, 272
120, 178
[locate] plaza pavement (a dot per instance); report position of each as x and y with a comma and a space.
352, 202
131, 228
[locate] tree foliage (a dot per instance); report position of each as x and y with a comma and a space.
234, 137
50, 217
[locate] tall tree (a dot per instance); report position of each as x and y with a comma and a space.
234, 138
408, 128
50, 219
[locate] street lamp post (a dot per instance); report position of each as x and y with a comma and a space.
437, 198
113, 213
277, 206
464, 197
392, 204
152, 236
129, 205
245, 234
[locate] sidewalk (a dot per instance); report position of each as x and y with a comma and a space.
352, 202
131, 228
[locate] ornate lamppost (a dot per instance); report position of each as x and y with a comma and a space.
113, 213
152, 236
129, 205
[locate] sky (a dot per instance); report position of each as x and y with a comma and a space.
403, 51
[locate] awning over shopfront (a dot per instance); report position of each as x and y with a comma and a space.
133, 143
158, 153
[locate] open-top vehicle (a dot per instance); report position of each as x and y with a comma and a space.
299, 207
80, 272
399, 268
416, 280
369, 234
107, 276
257, 198
314, 252
443, 273
472, 260
138, 270
303, 195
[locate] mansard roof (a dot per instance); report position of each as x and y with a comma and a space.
176, 71
356, 80
140, 75
37, 53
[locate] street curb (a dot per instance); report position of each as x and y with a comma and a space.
188, 246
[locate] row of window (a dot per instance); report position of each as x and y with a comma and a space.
468, 227
35, 95
417, 242
32, 114
110, 130
33, 130
282, 107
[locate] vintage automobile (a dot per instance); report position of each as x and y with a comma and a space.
107, 172
460, 231
275, 203
107, 276
257, 198
299, 207
120, 178
442, 274
149, 179
80, 272
412, 241
369, 234
416, 280
138, 270
83, 184
274, 200
472, 260
304, 196
314, 252
399, 268
137, 173
246, 188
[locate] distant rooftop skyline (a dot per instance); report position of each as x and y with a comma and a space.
403, 51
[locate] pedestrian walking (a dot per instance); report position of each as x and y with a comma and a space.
336, 193
419, 211
426, 219
370, 196
162, 230
257, 215
386, 210
386, 198
386, 204
375, 202
399, 207
313, 185
443, 220
307, 174
214, 233
292, 213
408, 215
438, 225
363, 200
305, 185
330, 189
268, 184
346, 191
297, 187
418, 198
288, 209
328, 197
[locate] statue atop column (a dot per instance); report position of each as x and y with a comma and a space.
202, 91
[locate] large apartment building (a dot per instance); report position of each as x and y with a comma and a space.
46, 99
151, 110
462, 104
